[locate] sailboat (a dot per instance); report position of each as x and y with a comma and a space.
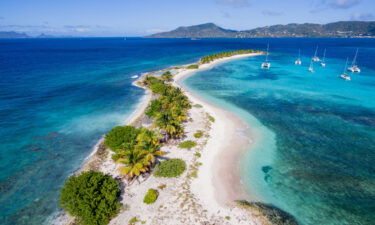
266, 64
344, 75
298, 61
323, 63
311, 68
354, 68
316, 58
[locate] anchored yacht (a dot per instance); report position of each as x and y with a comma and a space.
266, 64
298, 61
323, 63
354, 68
344, 75
316, 58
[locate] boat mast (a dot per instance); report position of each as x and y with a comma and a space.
268, 46
299, 54
324, 55
316, 51
355, 58
346, 64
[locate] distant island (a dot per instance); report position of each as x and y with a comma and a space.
14, 34
336, 29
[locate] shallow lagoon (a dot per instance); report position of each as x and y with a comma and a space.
314, 133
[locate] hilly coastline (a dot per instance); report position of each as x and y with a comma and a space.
336, 29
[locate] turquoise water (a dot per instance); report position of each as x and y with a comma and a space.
58, 97
314, 134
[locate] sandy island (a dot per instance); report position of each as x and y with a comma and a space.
205, 192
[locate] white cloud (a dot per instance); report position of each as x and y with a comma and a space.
234, 3
334, 4
271, 13
362, 16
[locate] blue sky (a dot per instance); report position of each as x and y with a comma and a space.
142, 17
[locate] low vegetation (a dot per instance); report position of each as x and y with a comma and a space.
133, 220
187, 144
198, 134
151, 196
169, 110
167, 76
210, 58
211, 118
170, 168
194, 66
136, 148
162, 186
92, 197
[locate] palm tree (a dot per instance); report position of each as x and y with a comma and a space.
149, 141
135, 161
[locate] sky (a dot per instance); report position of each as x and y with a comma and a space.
143, 17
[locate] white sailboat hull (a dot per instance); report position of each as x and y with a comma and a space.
345, 77
266, 65
298, 62
316, 59
354, 69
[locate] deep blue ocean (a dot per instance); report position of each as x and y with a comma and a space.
315, 133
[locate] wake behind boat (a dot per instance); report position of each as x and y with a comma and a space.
266, 64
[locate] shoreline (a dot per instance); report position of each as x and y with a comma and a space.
219, 191
227, 188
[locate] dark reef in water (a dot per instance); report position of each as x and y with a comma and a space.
274, 215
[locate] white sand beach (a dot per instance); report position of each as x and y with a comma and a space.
205, 192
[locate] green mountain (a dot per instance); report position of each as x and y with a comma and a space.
206, 30
336, 29
12, 34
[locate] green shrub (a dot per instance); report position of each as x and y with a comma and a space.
194, 66
187, 144
167, 76
133, 220
92, 197
210, 58
211, 118
121, 137
198, 106
170, 168
151, 196
162, 186
197, 154
198, 134
159, 87
153, 108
